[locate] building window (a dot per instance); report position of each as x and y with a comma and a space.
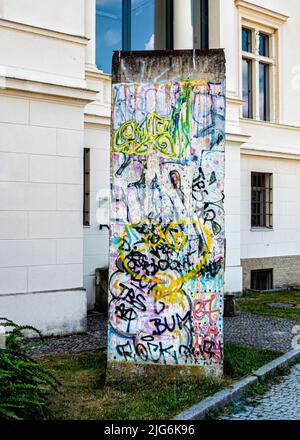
86, 187
132, 25
264, 88
246, 40
263, 45
261, 279
200, 20
142, 25
261, 200
108, 31
247, 88
257, 73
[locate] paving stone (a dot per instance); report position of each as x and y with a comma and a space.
266, 332
280, 402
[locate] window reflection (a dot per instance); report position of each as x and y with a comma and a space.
108, 31
246, 40
132, 25
263, 45
247, 86
142, 24
263, 92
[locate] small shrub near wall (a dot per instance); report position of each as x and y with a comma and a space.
24, 384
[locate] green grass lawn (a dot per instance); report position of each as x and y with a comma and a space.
257, 303
85, 396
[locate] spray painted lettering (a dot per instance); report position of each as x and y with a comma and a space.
167, 223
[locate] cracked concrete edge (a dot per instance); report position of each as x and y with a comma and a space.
238, 389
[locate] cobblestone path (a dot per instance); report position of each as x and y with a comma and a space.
259, 331
244, 329
281, 401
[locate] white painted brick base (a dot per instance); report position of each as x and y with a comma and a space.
59, 312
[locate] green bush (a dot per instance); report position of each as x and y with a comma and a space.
24, 384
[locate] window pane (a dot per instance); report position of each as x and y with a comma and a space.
263, 45
263, 92
262, 279
142, 24
261, 200
108, 31
200, 20
246, 40
247, 86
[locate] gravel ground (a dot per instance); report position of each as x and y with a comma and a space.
245, 329
94, 339
280, 402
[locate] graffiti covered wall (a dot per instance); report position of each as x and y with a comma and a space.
167, 215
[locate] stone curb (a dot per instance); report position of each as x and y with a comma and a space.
200, 410
281, 362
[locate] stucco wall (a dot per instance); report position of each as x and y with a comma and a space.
284, 238
96, 242
42, 101
63, 16
53, 313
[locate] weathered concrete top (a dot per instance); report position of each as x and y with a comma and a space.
168, 65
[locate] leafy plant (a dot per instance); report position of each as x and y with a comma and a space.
24, 384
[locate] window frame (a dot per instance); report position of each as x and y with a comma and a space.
267, 49
266, 92
126, 24
272, 113
126, 29
268, 271
245, 28
263, 213
201, 23
250, 89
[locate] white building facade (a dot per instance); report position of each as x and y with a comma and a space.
55, 136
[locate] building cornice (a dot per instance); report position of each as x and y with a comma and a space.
77, 39
265, 136
97, 75
48, 91
234, 100
96, 120
271, 152
264, 14
270, 124
238, 138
